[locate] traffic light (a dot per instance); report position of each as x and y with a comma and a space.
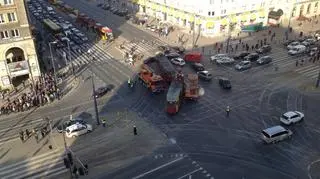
66, 162
70, 158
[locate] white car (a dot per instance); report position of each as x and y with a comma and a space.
225, 60
218, 56
308, 42
299, 49
292, 45
178, 61
78, 129
243, 65
291, 117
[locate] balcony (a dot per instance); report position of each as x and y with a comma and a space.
7, 6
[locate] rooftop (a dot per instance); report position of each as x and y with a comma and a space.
174, 91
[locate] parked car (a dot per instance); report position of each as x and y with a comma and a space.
225, 83
264, 49
193, 57
178, 61
291, 117
308, 42
292, 45
243, 65
78, 129
62, 127
198, 66
204, 75
264, 60
172, 55
313, 52
225, 60
252, 57
287, 42
218, 56
103, 90
275, 134
299, 49
241, 55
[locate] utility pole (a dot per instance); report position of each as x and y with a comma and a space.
94, 98
318, 79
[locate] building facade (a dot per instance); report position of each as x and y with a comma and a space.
216, 17
18, 58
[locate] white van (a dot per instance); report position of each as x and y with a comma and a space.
275, 134
299, 49
78, 129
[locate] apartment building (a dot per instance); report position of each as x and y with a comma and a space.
217, 17
18, 58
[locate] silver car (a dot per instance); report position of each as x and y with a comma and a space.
244, 65
275, 134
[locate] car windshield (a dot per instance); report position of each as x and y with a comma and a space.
265, 134
284, 116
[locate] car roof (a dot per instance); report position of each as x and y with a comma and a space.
74, 126
206, 72
224, 79
290, 113
274, 130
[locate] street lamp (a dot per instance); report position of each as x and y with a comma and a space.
94, 98
318, 79
52, 61
69, 54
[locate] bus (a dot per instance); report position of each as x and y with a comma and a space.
51, 26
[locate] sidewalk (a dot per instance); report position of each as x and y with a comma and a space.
172, 37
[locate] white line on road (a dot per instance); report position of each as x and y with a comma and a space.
155, 169
189, 174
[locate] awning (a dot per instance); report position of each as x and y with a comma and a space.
262, 14
253, 17
210, 25
191, 18
164, 9
224, 21
182, 15
244, 18
233, 19
142, 2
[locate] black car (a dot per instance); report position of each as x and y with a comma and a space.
264, 49
103, 90
240, 55
252, 57
62, 127
225, 83
198, 66
264, 60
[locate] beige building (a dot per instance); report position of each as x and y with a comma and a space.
18, 58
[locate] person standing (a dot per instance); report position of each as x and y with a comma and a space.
21, 135
228, 111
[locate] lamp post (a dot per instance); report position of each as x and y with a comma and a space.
94, 98
69, 54
52, 62
318, 78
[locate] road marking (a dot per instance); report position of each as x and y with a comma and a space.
189, 174
158, 168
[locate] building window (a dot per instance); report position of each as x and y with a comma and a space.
209, 13
4, 34
211, 1
223, 11
1, 19
7, 2
11, 17
212, 13
15, 33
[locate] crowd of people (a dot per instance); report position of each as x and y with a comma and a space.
40, 93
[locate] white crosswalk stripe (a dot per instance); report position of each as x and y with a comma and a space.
147, 48
311, 71
82, 57
46, 165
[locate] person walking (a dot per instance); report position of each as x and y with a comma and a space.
36, 137
135, 132
228, 111
103, 121
21, 135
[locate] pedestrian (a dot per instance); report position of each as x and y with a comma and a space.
36, 137
42, 133
297, 63
75, 171
103, 122
219, 50
27, 133
21, 135
228, 111
86, 171
135, 132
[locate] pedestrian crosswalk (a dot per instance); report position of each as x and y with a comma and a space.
310, 71
148, 48
47, 165
84, 54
